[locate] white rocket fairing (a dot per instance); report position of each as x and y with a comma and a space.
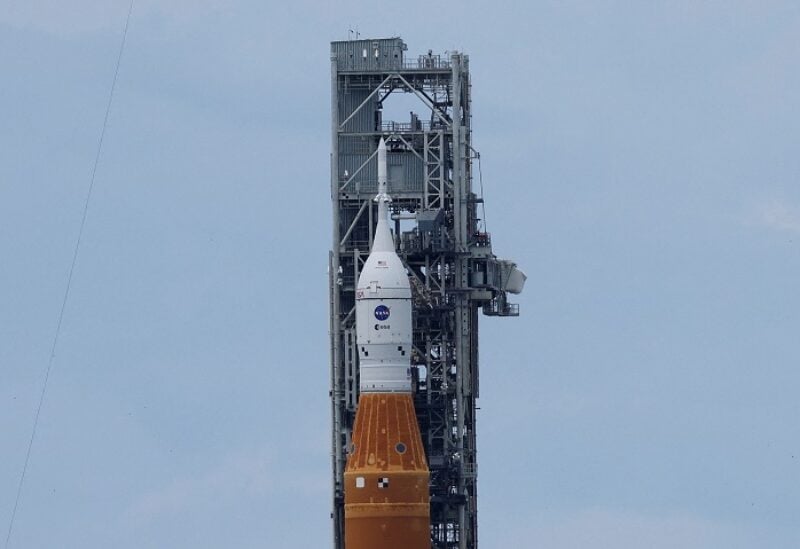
383, 306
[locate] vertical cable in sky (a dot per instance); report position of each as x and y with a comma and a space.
69, 279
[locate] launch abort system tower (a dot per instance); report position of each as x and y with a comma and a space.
439, 236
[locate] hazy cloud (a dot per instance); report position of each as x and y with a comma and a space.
81, 16
244, 473
780, 216
601, 528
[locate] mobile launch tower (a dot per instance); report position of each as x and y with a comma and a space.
439, 237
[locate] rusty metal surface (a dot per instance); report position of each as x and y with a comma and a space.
386, 479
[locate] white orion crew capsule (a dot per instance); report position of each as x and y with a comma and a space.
383, 306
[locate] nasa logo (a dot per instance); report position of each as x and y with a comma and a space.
381, 312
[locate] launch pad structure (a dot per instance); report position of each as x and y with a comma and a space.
439, 237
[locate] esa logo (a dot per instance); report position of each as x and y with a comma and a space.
382, 312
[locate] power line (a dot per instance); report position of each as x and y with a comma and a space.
69, 279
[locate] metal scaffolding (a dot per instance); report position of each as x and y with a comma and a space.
439, 236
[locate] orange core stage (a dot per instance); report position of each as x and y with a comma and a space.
386, 501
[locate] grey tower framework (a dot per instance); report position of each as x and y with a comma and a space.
438, 234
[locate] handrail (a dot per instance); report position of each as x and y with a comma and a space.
422, 63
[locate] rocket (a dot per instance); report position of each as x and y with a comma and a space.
386, 498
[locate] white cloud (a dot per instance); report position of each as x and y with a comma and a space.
780, 216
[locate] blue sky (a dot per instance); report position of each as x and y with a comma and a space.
641, 162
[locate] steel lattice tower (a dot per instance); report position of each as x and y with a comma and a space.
437, 231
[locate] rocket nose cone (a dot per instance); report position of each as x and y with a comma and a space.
382, 144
